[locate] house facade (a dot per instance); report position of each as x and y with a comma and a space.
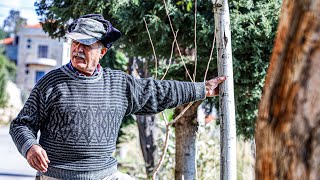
10, 48
37, 55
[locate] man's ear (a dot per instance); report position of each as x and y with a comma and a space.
103, 52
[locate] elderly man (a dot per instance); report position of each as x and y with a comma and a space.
78, 108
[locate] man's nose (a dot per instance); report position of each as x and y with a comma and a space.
79, 47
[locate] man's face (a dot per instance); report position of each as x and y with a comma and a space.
85, 58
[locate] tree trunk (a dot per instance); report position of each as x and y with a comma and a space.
288, 124
146, 129
228, 162
146, 124
185, 131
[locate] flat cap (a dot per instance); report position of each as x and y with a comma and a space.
91, 28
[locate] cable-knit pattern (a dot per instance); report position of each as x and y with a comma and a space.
79, 117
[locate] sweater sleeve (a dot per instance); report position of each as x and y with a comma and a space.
149, 96
24, 128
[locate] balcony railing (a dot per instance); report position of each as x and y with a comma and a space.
42, 61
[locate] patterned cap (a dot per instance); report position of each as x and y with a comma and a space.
91, 28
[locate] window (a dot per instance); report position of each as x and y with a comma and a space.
42, 51
39, 75
16, 40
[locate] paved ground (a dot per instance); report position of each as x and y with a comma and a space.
12, 165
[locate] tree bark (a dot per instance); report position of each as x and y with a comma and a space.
288, 124
146, 124
146, 127
185, 131
228, 162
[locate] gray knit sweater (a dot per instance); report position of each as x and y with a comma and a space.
79, 117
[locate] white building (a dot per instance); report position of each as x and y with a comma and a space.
37, 55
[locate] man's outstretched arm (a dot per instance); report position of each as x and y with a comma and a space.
149, 96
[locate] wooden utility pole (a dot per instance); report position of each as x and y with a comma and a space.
288, 124
228, 164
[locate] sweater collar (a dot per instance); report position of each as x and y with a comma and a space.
75, 70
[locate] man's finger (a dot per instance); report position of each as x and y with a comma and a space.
43, 164
35, 163
221, 79
42, 159
217, 80
31, 163
44, 153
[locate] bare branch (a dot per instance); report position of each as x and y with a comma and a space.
195, 41
168, 124
214, 40
154, 52
181, 114
155, 171
172, 48
175, 37
164, 117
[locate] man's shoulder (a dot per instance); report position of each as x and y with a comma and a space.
49, 77
113, 72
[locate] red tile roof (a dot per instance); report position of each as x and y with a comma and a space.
6, 41
33, 26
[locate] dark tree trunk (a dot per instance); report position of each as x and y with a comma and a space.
146, 128
145, 123
185, 130
288, 124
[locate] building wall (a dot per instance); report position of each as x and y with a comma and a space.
11, 51
30, 79
28, 58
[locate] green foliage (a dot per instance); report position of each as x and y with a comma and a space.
3, 34
115, 60
7, 72
11, 69
253, 26
135, 41
3, 80
127, 15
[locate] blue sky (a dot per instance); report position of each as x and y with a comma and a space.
26, 8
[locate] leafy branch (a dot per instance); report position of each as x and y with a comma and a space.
167, 123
